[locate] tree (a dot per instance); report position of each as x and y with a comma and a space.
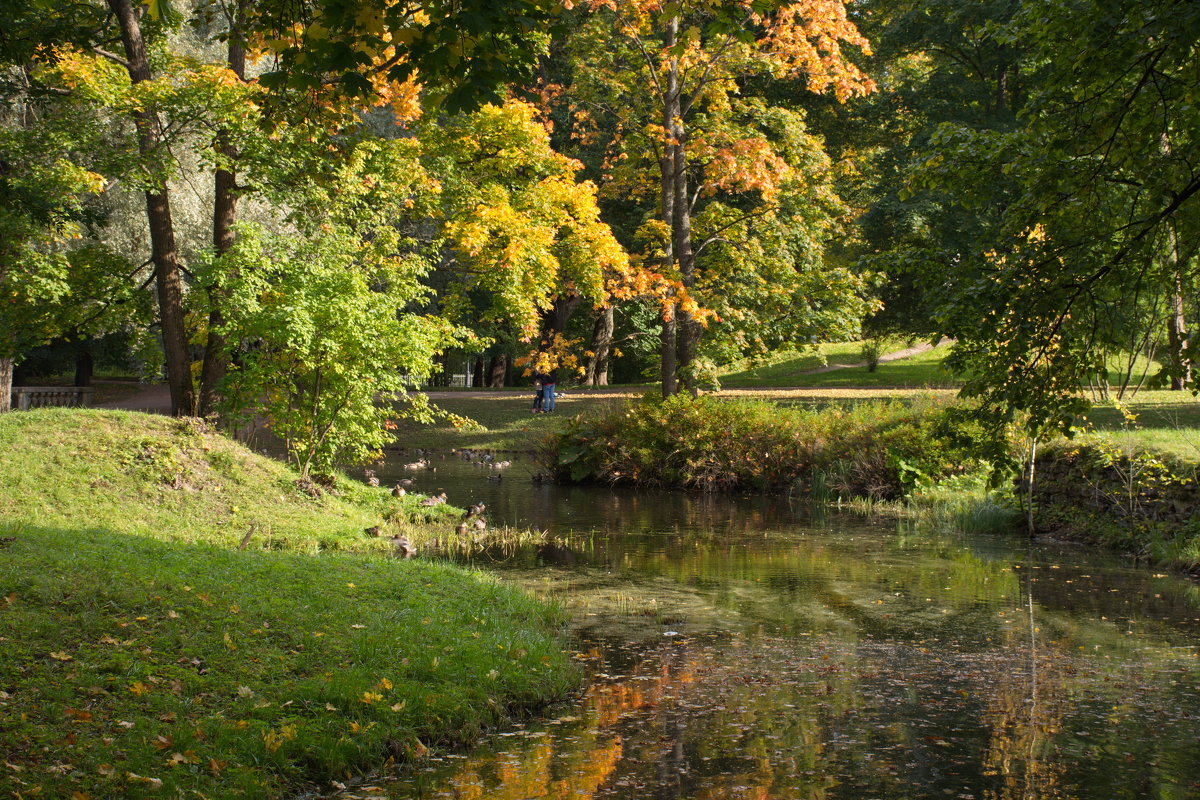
1099, 189
674, 76
520, 230
312, 321
52, 280
331, 62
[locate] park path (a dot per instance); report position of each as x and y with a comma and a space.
156, 398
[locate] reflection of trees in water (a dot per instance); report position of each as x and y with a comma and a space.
948, 691
1024, 711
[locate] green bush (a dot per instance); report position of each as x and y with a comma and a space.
876, 450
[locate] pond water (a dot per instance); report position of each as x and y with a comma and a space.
745, 648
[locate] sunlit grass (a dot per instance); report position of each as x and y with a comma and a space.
147, 653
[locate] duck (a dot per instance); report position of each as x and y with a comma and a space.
418, 464
474, 511
398, 491
404, 547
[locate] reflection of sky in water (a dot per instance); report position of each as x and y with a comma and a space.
743, 649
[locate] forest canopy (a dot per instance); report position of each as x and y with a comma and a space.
317, 202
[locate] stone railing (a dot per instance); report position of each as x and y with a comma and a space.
27, 397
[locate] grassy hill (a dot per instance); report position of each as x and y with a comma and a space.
145, 655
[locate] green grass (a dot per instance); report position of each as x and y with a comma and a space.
177, 480
148, 649
923, 370
783, 368
505, 417
1164, 421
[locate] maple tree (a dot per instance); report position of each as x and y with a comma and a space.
720, 162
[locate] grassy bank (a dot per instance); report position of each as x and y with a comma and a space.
1100, 490
145, 655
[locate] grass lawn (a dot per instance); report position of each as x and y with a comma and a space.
145, 655
1164, 420
923, 370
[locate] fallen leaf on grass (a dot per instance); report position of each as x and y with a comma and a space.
155, 782
60, 656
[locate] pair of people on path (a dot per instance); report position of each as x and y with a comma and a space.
543, 384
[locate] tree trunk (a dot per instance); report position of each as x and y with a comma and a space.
84, 363
477, 377
555, 320
1181, 366
689, 329
1177, 335
667, 200
6, 384
602, 336
162, 230
225, 199
497, 371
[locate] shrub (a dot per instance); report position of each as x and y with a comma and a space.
877, 450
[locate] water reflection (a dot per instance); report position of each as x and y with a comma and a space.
745, 649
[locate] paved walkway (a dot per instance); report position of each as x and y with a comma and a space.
156, 398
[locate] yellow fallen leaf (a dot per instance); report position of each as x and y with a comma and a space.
138, 688
60, 656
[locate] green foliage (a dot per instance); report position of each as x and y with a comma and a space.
52, 280
323, 342
875, 450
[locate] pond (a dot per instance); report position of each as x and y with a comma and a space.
746, 648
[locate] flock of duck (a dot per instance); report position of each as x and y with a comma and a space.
472, 520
